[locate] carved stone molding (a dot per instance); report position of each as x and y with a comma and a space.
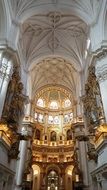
101, 73
99, 54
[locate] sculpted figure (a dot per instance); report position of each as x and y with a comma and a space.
10, 92
14, 103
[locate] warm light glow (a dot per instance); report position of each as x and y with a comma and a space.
77, 178
36, 172
69, 172
40, 102
67, 103
53, 105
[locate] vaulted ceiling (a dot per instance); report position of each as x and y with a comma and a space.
53, 34
53, 71
53, 38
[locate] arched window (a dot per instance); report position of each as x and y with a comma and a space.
40, 102
71, 116
50, 119
40, 118
67, 103
56, 120
5, 70
53, 105
66, 118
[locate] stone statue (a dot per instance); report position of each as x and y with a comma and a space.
14, 103
53, 136
10, 92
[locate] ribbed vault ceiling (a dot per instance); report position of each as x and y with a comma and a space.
54, 33
53, 71
53, 38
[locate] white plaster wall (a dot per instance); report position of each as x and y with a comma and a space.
4, 159
102, 157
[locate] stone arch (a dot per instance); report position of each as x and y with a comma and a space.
40, 8
53, 167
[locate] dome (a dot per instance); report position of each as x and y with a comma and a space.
54, 98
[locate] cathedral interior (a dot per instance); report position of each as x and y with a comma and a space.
53, 94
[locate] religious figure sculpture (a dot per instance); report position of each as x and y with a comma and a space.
15, 99
53, 136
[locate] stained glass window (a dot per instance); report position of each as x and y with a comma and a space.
40, 102
50, 119
56, 120
53, 105
67, 103
40, 118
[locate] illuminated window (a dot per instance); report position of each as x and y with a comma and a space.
5, 69
36, 116
53, 105
40, 118
40, 102
66, 118
50, 119
56, 120
71, 116
67, 103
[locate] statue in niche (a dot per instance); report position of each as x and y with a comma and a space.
53, 136
37, 134
69, 134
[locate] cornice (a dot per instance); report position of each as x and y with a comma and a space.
100, 53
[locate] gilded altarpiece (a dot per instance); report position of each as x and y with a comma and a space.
93, 108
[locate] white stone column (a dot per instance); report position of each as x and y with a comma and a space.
26, 134
28, 109
83, 161
82, 151
21, 164
3, 94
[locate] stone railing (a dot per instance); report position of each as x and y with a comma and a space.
53, 143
